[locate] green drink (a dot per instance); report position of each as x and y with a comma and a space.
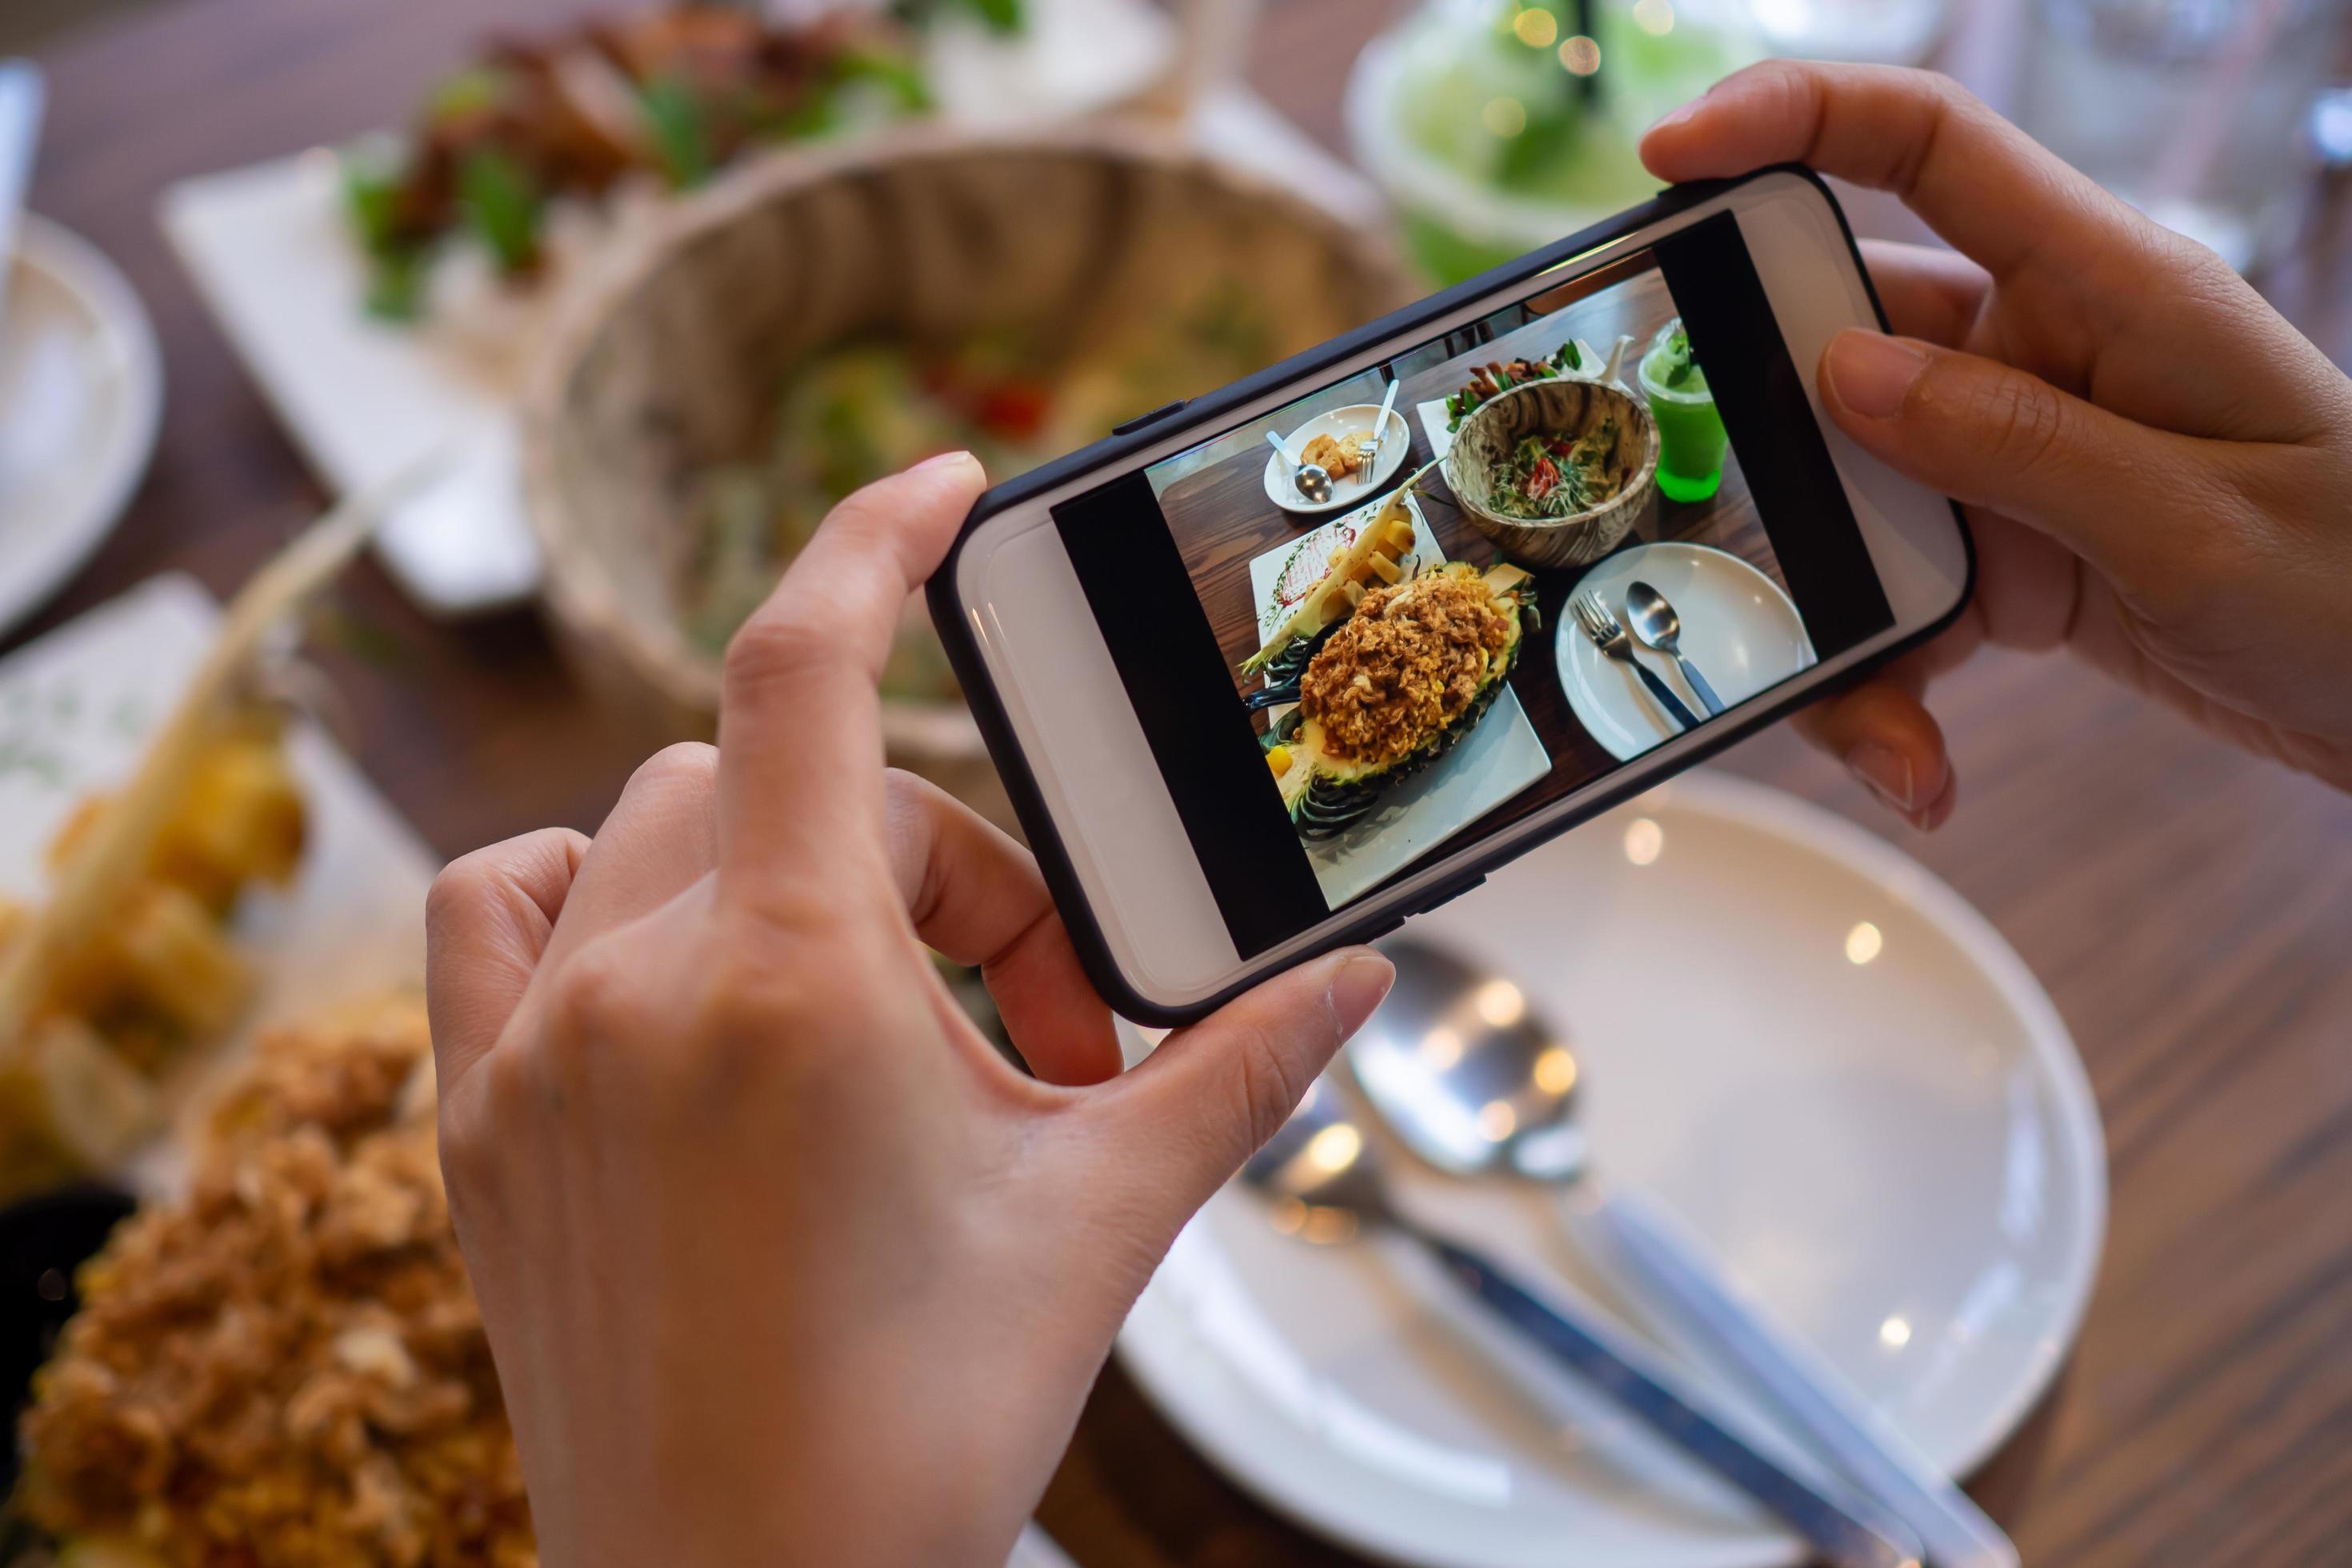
1691, 437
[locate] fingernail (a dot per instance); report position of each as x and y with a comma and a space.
1356, 989
942, 460
1873, 373
1886, 771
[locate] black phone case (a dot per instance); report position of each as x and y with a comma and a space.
1208, 413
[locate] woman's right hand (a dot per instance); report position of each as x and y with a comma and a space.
2156, 467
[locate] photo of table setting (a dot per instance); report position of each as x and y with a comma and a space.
1576, 486
404, 408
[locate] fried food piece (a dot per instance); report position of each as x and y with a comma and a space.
288, 1368
1404, 666
1325, 452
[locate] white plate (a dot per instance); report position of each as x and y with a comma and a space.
1350, 492
81, 390
267, 248
76, 710
1274, 606
1738, 628
1901, 1158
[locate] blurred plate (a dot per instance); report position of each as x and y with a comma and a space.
1738, 628
76, 711
1352, 490
268, 251
81, 390
1834, 1072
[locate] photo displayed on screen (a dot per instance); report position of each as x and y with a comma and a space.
1588, 521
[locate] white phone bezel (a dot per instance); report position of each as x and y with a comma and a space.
1084, 745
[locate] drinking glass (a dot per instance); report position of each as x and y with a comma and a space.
1691, 437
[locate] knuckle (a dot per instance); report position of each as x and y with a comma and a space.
1267, 1082
597, 999
781, 648
686, 765
2022, 421
464, 886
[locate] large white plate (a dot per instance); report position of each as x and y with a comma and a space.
1738, 627
1899, 1156
76, 710
81, 389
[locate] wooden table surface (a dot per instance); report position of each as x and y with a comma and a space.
2190, 909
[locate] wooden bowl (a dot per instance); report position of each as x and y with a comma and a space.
674, 357
1565, 406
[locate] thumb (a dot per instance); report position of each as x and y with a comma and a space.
1993, 436
1186, 1119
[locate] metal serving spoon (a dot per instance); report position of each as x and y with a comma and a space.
1313, 480
1469, 1077
1323, 1176
1655, 622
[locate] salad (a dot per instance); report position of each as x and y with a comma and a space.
1549, 475
850, 414
1494, 378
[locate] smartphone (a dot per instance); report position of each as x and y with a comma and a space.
1245, 720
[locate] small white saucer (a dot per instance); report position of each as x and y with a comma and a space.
81, 393
1796, 1041
1355, 489
1738, 628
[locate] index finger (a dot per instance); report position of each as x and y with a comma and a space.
800, 715
1984, 186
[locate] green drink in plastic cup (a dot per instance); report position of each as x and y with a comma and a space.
1691, 436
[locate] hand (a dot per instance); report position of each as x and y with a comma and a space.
780, 1260
2156, 467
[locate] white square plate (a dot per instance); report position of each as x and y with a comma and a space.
76, 711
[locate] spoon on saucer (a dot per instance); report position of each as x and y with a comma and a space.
1654, 622
1312, 479
1323, 1176
1460, 1067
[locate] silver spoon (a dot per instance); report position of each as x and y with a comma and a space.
1469, 1077
1312, 479
1324, 1178
1654, 622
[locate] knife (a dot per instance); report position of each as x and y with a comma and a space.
21, 102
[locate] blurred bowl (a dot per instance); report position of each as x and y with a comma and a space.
674, 358
1570, 407
1455, 122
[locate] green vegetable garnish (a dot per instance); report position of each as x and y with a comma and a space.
681, 131
503, 206
1676, 369
1002, 16
396, 284
473, 91
371, 197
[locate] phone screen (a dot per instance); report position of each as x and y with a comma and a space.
1338, 690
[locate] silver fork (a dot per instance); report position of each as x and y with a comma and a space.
1602, 626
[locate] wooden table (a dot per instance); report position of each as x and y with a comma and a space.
2189, 909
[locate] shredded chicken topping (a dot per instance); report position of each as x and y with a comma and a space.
287, 1369
1404, 666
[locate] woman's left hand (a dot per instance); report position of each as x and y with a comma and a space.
780, 1260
